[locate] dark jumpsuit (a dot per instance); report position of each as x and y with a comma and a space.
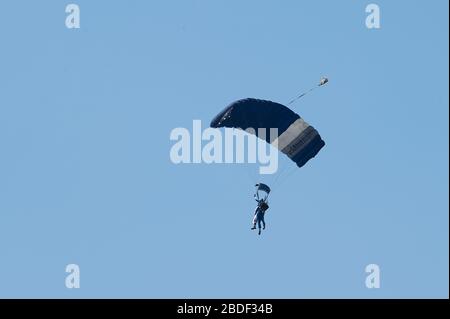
259, 218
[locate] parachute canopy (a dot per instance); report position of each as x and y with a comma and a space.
296, 138
260, 187
323, 81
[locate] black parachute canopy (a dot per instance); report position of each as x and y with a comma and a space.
262, 187
296, 138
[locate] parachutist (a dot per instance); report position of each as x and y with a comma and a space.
263, 206
295, 138
259, 215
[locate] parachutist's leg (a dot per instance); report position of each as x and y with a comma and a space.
254, 223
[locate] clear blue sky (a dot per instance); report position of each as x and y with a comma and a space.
85, 175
